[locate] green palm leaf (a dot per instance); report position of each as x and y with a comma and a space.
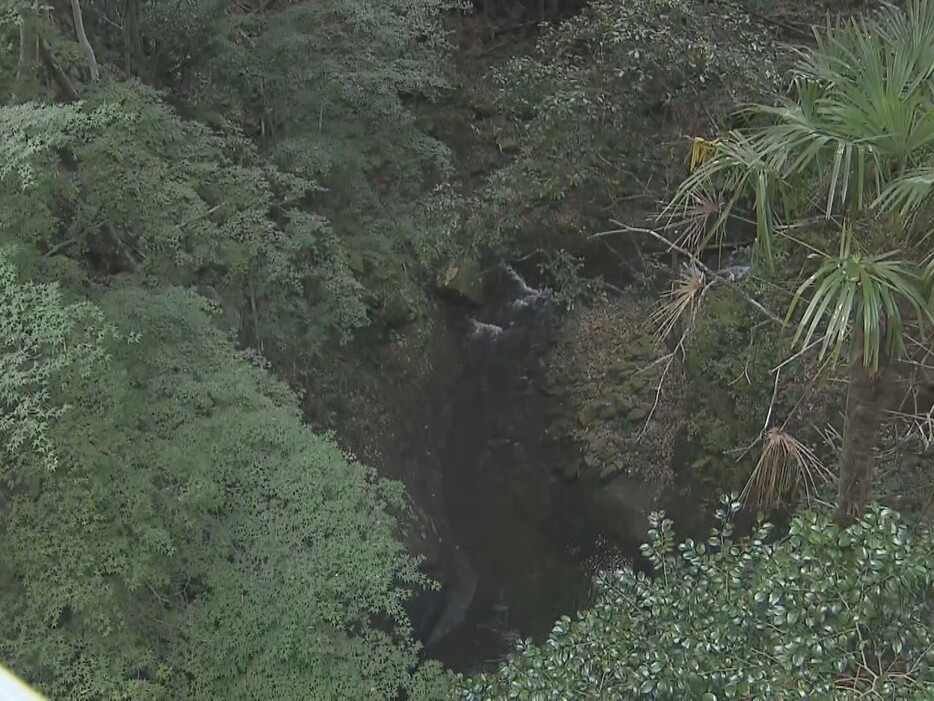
858, 131
867, 291
904, 196
927, 282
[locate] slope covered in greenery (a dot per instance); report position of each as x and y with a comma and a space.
202, 200
170, 528
176, 532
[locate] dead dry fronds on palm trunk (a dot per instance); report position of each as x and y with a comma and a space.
784, 466
679, 306
696, 218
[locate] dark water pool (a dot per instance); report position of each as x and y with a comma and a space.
533, 537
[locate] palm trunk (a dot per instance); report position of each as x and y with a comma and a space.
865, 409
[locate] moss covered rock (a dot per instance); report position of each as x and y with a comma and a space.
462, 281
606, 364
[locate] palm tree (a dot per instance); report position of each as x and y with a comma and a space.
853, 145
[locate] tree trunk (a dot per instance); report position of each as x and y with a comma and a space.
25, 86
133, 46
865, 408
83, 42
66, 91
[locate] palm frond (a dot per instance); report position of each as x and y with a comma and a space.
785, 464
911, 29
696, 218
927, 281
680, 303
865, 291
906, 194
742, 166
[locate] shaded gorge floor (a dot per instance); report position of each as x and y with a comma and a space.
534, 534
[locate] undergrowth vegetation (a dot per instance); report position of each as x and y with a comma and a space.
211, 212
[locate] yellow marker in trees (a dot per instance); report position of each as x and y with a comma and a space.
701, 151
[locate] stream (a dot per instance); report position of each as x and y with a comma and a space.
528, 539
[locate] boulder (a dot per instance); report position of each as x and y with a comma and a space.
462, 281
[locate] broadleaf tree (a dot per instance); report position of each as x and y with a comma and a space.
820, 612
194, 540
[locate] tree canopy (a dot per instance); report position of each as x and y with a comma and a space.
817, 613
191, 539
204, 204
171, 528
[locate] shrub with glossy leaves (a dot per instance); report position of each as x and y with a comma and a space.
818, 613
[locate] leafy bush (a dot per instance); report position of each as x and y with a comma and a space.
327, 90
195, 539
43, 339
590, 104
147, 192
817, 613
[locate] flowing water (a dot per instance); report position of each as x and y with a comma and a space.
533, 538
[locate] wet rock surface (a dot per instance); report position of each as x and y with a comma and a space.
533, 539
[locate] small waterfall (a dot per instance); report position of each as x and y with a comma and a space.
483, 330
528, 296
513, 314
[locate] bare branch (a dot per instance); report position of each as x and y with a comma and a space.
624, 228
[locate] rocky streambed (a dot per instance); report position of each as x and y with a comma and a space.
553, 460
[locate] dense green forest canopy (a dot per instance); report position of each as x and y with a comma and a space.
170, 528
203, 204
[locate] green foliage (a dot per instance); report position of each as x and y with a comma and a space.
818, 613
339, 161
734, 358
730, 361
164, 198
572, 287
858, 131
195, 540
864, 287
43, 340
327, 90
589, 106
32, 131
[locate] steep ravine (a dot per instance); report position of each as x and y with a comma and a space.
524, 539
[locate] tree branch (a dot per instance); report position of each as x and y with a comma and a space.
624, 228
66, 90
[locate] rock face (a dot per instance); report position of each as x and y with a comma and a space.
462, 281
608, 365
624, 505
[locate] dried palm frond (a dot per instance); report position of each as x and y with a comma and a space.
680, 303
920, 425
784, 465
702, 150
697, 214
